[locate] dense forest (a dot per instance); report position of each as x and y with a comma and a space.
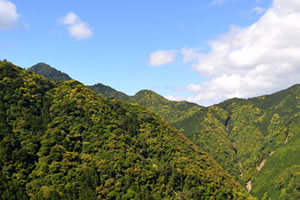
256, 140
60, 140
49, 72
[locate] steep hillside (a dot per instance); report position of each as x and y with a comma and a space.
250, 139
241, 134
59, 140
245, 136
49, 72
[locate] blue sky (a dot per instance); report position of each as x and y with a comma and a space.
133, 45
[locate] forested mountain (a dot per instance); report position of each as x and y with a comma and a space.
109, 92
243, 135
60, 140
49, 72
171, 110
256, 140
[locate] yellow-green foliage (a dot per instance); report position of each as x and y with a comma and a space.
238, 133
246, 132
62, 141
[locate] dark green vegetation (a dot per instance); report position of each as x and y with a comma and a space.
49, 72
172, 111
109, 92
242, 135
60, 140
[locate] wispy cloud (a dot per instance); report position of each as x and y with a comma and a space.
8, 15
162, 57
77, 28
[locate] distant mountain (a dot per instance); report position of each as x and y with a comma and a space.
108, 92
172, 111
246, 136
256, 140
49, 72
60, 140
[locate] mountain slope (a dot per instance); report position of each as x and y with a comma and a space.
59, 140
49, 72
108, 92
172, 111
243, 135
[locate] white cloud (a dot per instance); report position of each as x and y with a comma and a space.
251, 61
189, 54
175, 98
162, 57
76, 27
8, 15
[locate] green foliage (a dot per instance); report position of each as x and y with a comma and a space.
239, 134
109, 92
172, 111
59, 140
49, 72
282, 169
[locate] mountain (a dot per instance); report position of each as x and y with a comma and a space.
60, 140
255, 140
171, 110
49, 72
109, 92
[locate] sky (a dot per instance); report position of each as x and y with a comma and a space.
203, 51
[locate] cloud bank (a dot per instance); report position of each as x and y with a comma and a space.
8, 15
250, 61
76, 27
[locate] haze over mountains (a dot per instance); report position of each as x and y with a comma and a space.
255, 140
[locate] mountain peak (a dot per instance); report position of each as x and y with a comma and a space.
147, 92
49, 72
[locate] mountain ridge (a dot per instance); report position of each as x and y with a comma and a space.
60, 140
241, 133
